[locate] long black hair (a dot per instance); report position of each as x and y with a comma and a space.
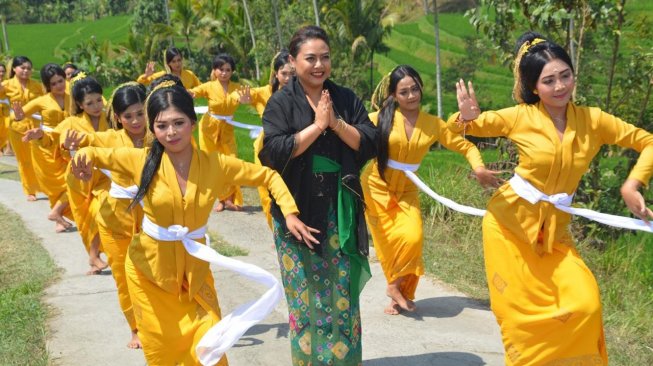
280, 61
158, 101
48, 71
81, 88
532, 62
17, 61
123, 97
387, 113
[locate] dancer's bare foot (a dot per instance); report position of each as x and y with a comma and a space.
31, 197
97, 266
393, 308
394, 293
61, 224
229, 205
219, 207
135, 342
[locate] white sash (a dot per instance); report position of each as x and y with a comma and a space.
118, 191
562, 202
227, 331
409, 170
254, 130
44, 127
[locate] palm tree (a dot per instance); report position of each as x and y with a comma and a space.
364, 24
185, 19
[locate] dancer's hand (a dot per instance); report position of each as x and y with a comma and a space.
73, 138
33, 134
149, 69
245, 95
488, 178
324, 111
19, 114
300, 231
635, 201
467, 103
81, 168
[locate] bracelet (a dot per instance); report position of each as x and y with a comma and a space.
342, 125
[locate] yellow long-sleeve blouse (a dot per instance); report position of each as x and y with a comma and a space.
219, 102
166, 263
188, 78
51, 112
14, 91
260, 97
428, 130
114, 213
551, 165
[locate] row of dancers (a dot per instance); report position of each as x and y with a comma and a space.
319, 194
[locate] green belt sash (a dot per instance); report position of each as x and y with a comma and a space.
360, 268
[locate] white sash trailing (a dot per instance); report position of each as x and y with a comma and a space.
409, 170
227, 331
562, 202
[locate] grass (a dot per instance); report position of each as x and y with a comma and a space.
228, 250
26, 270
43, 43
9, 172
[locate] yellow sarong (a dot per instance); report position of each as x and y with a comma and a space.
171, 325
547, 306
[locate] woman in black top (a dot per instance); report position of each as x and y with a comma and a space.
318, 137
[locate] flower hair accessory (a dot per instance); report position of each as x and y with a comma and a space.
525, 47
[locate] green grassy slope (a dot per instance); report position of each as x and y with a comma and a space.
43, 42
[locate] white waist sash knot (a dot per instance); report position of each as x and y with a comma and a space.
254, 130
562, 201
409, 170
227, 331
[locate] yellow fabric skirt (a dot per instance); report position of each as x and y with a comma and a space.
4, 128
548, 306
23, 152
84, 206
398, 240
50, 171
169, 325
115, 246
215, 135
263, 193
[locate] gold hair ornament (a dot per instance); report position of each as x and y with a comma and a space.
165, 63
381, 92
272, 73
525, 47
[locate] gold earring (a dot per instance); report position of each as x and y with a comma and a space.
535, 92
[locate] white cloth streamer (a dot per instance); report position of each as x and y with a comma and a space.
254, 130
5, 101
409, 170
227, 331
562, 202
44, 127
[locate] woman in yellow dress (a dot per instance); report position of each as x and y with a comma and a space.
115, 221
5, 147
174, 64
49, 168
173, 293
544, 297
393, 212
281, 72
215, 134
20, 88
86, 198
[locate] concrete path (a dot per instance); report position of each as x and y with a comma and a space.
87, 328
